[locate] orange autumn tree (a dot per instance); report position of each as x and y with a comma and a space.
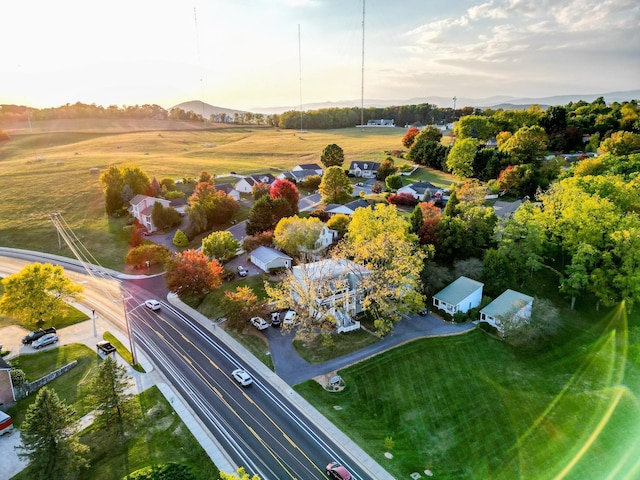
192, 273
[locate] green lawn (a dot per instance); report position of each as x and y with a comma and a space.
318, 350
471, 407
210, 306
72, 387
122, 351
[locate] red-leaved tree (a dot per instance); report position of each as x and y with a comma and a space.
431, 215
192, 273
284, 188
410, 137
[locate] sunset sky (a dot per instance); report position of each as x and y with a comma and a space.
245, 54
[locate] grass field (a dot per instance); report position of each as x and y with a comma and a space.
472, 407
49, 170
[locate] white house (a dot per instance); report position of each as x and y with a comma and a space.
422, 191
245, 185
364, 169
297, 176
383, 122
348, 208
229, 190
327, 237
511, 305
141, 208
459, 296
308, 166
267, 258
337, 287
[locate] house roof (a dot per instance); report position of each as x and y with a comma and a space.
506, 209
363, 165
421, 187
4, 365
138, 199
266, 254
328, 268
308, 166
457, 291
179, 202
509, 302
347, 208
225, 187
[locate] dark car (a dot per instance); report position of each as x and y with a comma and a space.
275, 319
105, 347
338, 472
36, 334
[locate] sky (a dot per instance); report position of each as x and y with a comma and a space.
248, 54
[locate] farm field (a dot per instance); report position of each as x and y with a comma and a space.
56, 168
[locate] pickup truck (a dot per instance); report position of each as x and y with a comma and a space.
36, 334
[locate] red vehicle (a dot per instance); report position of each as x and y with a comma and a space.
338, 472
6, 424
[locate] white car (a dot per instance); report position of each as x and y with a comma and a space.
242, 377
243, 272
47, 339
290, 318
152, 304
259, 322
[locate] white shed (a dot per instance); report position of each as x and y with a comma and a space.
510, 305
267, 258
459, 296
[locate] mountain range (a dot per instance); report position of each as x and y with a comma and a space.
499, 101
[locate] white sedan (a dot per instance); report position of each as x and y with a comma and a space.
242, 377
152, 304
259, 322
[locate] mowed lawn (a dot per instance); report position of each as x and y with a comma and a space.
51, 171
471, 407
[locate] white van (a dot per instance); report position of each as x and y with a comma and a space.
290, 318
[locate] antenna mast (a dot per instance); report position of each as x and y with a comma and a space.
300, 74
362, 85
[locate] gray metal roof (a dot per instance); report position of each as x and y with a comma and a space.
457, 291
266, 254
509, 302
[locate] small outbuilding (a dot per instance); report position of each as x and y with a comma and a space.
460, 296
511, 305
7, 393
267, 258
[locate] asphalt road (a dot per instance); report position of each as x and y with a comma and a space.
257, 425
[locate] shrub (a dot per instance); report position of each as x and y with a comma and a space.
167, 471
173, 194
228, 275
180, 239
152, 253
393, 182
18, 377
252, 242
312, 182
320, 213
405, 199
460, 317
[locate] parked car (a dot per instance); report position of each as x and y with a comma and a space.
338, 472
45, 340
290, 318
242, 377
243, 272
36, 334
105, 347
152, 304
275, 319
424, 312
259, 322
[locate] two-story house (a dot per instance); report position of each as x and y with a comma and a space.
364, 169
141, 208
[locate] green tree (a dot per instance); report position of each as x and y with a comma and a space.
294, 234
429, 153
112, 184
38, 293
416, 219
332, 155
499, 272
532, 334
335, 186
239, 475
48, 438
379, 239
429, 134
136, 179
149, 254
527, 145
180, 239
221, 245
620, 143
387, 167
261, 216
461, 156
259, 190
108, 391
393, 182
164, 217
474, 126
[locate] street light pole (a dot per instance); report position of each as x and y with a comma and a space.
126, 321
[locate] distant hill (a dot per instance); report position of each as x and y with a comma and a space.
489, 102
204, 109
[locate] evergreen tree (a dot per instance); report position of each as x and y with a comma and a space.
109, 393
48, 438
416, 219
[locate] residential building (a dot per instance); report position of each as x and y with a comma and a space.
421, 191
229, 190
511, 305
347, 208
326, 238
364, 169
506, 209
267, 258
336, 290
460, 296
245, 185
297, 176
308, 166
141, 208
